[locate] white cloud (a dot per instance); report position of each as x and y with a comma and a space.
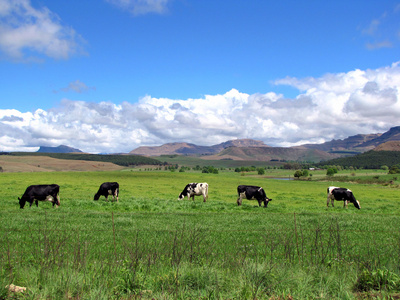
141, 7
76, 86
382, 32
330, 107
27, 33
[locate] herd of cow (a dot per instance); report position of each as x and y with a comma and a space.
51, 192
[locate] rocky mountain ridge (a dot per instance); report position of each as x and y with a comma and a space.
249, 149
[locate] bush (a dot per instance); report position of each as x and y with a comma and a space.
394, 169
301, 173
377, 280
298, 174
209, 169
330, 172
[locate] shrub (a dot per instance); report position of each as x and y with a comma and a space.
330, 172
377, 280
394, 169
298, 174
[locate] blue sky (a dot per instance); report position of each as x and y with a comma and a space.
112, 75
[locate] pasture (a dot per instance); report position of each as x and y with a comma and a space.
149, 245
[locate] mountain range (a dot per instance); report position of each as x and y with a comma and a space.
249, 149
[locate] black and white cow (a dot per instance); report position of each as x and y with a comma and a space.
341, 194
106, 189
252, 192
195, 189
41, 192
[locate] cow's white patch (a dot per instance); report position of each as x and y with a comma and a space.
49, 198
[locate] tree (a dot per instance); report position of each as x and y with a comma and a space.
330, 172
261, 171
394, 169
298, 174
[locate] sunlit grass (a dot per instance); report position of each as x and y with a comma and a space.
151, 245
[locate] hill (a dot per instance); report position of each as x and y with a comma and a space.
358, 143
272, 154
59, 149
121, 160
389, 146
41, 163
352, 143
192, 149
367, 160
392, 135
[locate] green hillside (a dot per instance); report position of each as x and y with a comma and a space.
367, 160
121, 160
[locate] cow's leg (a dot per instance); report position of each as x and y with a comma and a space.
37, 202
204, 197
345, 203
331, 199
239, 199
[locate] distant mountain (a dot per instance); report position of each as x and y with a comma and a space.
272, 153
59, 149
389, 146
248, 149
192, 149
392, 135
359, 143
351, 143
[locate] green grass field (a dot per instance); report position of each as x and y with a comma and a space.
149, 245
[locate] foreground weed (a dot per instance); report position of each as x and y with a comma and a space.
379, 279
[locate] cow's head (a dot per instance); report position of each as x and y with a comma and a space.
22, 202
264, 197
266, 201
353, 200
96, 197
357, 204
181, 195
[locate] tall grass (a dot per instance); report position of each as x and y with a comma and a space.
149, 245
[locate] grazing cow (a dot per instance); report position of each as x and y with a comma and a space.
195, 189
43, 192
252, 192
106, 189
343, 194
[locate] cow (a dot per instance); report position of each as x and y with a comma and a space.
195, 189
106, 189
41, 192
252, 192
343, 194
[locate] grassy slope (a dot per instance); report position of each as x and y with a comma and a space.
216, 237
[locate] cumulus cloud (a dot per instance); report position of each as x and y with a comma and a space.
27, 33
141, 7
329, 107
